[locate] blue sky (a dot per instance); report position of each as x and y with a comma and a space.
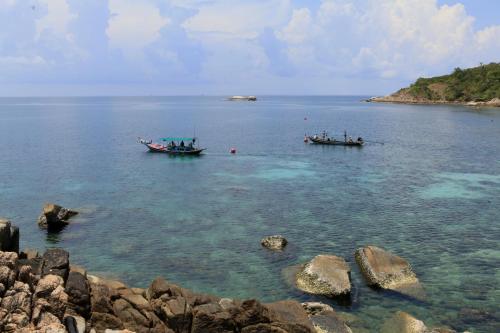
226, 47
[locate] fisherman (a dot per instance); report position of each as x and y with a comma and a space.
172, 144
182, 143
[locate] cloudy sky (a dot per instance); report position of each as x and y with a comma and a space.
224, 47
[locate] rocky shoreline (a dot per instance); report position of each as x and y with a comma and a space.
45, 293
396, 99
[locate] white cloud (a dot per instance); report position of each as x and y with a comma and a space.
57, 19
388, 38
237, 18
134, 25
22, 60
7, 3
299, 29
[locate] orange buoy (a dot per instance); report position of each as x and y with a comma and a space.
232, 150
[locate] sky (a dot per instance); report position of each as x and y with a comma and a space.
238, 47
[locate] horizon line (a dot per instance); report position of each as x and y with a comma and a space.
189, 95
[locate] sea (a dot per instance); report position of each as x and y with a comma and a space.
425, 186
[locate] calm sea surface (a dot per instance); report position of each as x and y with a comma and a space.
430, 193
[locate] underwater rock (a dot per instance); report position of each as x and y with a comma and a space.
326, 275
55, 217
276, 242
385, 270
330, 322
402, 322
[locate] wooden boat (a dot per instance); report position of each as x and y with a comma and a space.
324, 139
175, 146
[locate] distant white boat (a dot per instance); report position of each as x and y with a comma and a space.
242, 98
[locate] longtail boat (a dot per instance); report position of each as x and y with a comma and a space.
324, 139
175, 146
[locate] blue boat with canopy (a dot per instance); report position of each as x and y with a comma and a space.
174, 146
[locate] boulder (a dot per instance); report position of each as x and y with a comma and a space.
160, 286
249, 312
54, 217
329, 322
17, 299
131, 318
100, 298
7, 277
9, 236
177, 313
78, 290
8, 259
263, 328
402, 322
276, 242
102, 321
56, 262
290, 316
16, 322
326, 275
385, 270
211, 318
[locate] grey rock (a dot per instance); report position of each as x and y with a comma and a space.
385, 270
54, 217
56, 261
9, 236
325, 275
276, 242
78, 290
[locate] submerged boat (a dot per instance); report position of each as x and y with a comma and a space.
242, 98
324, 139
174, 146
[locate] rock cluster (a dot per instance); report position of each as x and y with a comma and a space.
45, 294
54, 217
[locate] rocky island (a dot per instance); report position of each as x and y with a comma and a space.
478, 86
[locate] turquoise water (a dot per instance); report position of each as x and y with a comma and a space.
430, 193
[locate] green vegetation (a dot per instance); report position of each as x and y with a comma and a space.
478, 84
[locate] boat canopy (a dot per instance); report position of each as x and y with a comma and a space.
177, 139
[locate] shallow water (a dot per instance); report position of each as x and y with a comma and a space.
430, 193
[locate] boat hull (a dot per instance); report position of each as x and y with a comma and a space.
335, 142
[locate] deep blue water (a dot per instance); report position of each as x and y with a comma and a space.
430, 193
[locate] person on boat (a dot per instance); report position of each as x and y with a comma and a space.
191, 145
172, 144
350, 139
182, 143
360, 139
